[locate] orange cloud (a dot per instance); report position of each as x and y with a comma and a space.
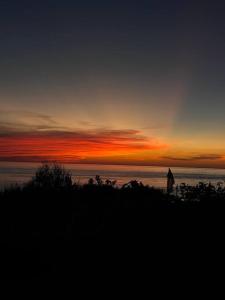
73, 146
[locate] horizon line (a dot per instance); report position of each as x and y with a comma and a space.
111, 164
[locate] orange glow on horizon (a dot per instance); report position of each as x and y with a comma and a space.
129, 147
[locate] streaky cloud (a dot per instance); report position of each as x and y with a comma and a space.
195, 157
73, 146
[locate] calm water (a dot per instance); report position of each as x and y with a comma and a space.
11, 173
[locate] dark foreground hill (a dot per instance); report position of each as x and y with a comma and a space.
52, 228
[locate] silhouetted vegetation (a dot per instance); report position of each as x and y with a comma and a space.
54, 226
51, 177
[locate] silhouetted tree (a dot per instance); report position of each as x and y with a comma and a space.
110, 182
98, 180
134, 184
90, 181
52, 176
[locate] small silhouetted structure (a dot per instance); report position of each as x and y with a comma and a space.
170, 181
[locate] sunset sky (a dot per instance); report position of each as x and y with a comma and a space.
113, 82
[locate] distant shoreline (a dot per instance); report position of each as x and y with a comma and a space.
110, 164
19, 173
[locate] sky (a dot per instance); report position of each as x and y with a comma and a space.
113, 82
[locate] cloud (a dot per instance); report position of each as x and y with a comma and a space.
24, 114
12, 121
8, 128
29, 136
73, 145
195, 157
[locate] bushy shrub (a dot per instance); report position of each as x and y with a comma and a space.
52, 176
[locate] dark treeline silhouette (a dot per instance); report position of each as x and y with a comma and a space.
54, 226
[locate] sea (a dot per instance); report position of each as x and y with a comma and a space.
12, 173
